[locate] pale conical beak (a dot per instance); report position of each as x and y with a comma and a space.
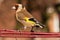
13, 7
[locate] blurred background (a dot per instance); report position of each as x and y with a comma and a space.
45, 11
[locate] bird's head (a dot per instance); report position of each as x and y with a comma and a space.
17, 7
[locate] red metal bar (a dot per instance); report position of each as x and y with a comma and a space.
14, 33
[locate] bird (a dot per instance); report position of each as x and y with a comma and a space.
24, 17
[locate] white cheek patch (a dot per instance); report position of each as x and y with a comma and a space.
20, 5
19, 8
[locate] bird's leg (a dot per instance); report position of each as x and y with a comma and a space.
32, 29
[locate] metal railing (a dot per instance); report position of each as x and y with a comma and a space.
14, 33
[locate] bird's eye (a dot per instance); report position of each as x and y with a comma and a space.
16, 6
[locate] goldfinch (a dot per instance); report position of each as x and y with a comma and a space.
24, 17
